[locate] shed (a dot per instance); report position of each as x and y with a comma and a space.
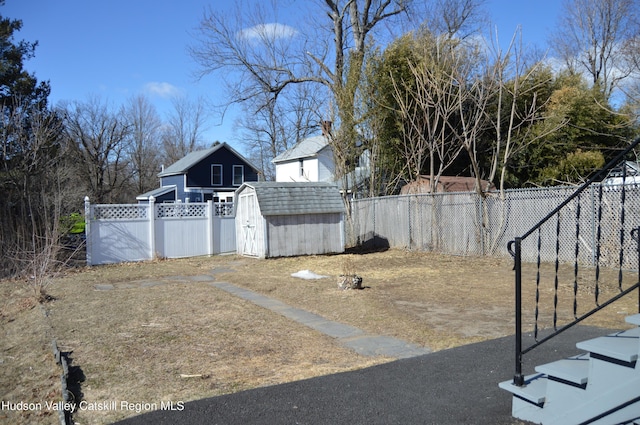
445, 184
284, 219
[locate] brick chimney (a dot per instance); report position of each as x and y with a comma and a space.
326, 128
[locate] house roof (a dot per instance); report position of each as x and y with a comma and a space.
307, 148
155, 193
632, 169
293, 198
445, 184
184, 164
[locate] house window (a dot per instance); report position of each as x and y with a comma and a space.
301, 162
216, 175
238, 175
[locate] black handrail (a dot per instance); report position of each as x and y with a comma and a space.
514, 248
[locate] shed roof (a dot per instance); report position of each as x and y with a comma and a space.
295, 198
183, 165
307, 148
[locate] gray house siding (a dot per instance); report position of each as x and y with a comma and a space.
177, 181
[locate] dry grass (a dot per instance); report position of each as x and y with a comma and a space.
136, 330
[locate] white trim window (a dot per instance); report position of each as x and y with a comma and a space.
216, 175
238, 175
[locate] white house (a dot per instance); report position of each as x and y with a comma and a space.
311, 160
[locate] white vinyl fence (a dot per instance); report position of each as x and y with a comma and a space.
135, 232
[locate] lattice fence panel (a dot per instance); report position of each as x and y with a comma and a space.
223, 209
181, 210
119, 212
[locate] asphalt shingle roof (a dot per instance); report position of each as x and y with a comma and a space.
308, 147
156, 192
293, 198
184, 164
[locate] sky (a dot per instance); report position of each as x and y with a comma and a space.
117, 49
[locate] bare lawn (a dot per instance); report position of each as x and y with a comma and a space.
159, 331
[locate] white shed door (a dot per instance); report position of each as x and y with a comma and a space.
249, 221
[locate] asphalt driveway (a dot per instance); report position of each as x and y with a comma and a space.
456, 386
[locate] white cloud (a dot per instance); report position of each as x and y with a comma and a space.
268, 31
161, 89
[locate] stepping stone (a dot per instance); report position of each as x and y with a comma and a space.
151, 283
369, 345
347, 335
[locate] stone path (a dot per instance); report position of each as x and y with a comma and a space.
347, 335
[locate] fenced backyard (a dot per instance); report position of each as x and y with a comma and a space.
134, 232
468, 224
450, 223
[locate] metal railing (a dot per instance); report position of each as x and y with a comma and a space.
562, 226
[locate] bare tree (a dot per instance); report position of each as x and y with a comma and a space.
270, 128
143, 146
455, 19
591, 38
428, 104
99, 137
501, 98
183, 132
265, 59
38, 187
631, 87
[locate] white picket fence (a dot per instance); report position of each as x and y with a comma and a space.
118, 233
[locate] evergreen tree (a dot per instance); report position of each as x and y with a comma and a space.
31, 154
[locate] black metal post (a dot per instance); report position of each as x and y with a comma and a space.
637, 239
518, 378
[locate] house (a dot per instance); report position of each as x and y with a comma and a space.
312, 160
444, 184
209, 174
282, 219
627, 172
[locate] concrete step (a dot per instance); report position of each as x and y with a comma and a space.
582, 387
616, 346
533, 391
574, 369
634, 319
632, 332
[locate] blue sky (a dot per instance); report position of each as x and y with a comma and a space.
116, 49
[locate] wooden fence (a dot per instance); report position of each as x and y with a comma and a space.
135, 232
468, 224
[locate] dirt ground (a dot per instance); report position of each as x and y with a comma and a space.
154, 332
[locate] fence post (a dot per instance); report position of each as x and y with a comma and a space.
409, 221
151, 215
635, 235
210, 215
87, 230
593, 209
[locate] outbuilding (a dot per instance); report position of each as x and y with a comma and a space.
284, 219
